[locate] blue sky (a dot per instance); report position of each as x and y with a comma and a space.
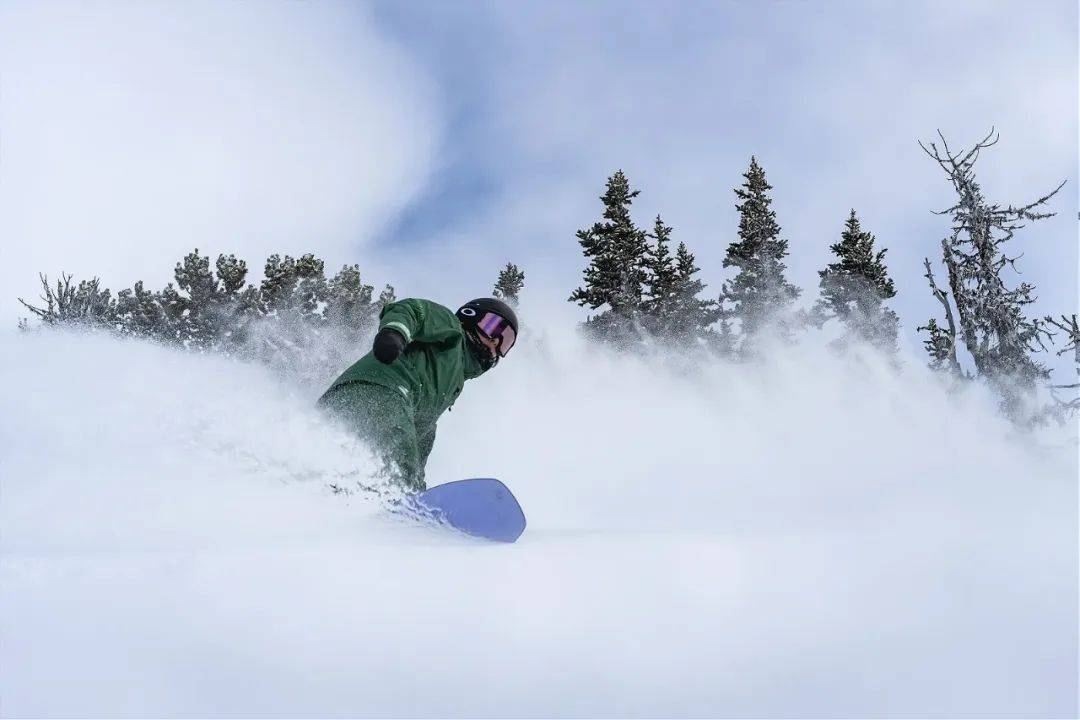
434, 141
542, 102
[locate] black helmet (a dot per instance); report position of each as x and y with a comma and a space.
494, 319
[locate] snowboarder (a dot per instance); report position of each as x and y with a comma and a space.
422, 356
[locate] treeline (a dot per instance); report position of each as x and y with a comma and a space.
643, 289
295, 318
642, 295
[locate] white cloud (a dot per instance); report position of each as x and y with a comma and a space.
831, 97
131, 133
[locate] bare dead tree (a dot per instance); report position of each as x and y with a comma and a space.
1068, 325
941, 345
989, 315
66, 303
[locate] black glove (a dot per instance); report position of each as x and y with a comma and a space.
388, 345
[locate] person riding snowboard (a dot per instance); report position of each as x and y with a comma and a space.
422, 356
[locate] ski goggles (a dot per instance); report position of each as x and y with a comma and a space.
496, 327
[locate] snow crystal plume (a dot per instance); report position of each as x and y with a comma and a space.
170, 448
806, 535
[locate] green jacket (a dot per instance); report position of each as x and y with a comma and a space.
432, 370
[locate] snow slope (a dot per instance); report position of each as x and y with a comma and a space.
811, 538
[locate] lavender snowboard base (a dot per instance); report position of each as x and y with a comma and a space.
482, 507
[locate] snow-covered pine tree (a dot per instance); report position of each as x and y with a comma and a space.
349, 301
661, 281
192, 307
992, 325
616, 273
509, 284
238, 302
349, 314
940, 345
671, 309
760, 294
293, 288
693, 317
295, 320
139, 313
854, 289
232, 274
292, 335
722, 342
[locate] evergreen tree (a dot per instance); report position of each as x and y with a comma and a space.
193, 304
348, 300
692, 317
201, 310
760, 293
293, 287
662, 280
672, 310
295, 320
940, 346
237, 302
854, 289
349, 315
232, 274
990, 315
139, 313
616, 249
722, 342
509, 283
292, 333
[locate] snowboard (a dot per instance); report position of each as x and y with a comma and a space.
482, 507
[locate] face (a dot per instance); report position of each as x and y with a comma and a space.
496, 326
488, 343
493, 331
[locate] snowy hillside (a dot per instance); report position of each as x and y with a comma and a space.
813, 538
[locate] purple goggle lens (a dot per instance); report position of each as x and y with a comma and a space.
497, 328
